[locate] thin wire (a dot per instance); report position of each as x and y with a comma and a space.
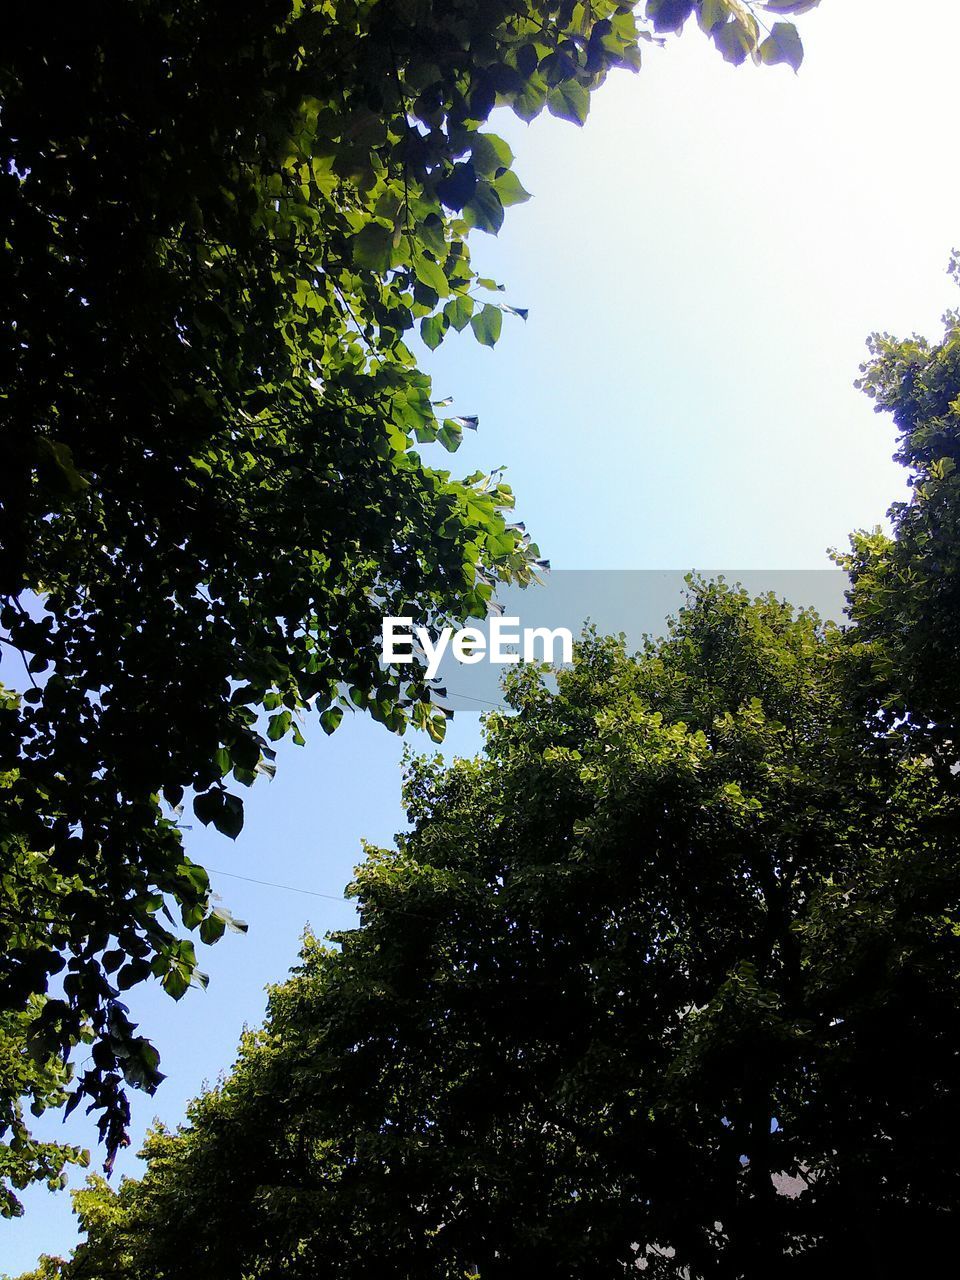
269, 884
313, 893
451, 693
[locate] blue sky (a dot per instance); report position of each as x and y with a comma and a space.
702, 263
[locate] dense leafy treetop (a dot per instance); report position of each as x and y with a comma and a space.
905, 595
684, 942
220, 224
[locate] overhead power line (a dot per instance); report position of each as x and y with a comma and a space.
269, 884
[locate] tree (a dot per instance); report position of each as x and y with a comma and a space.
905, 588
684, 941
221, 221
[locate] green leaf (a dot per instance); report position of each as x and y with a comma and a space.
485, 210
509, 189
140, 1066
330, 719
450, 435
734, 41
229, 821
458, 186
225, 811
569, 101
212, 929
530, 102
458, 311
207, 806
431, 274
195, 875
175, 982
436, 727
278, 725
486, 325
372, 247
490, 154
132, 973
783, 45
192, 914
432, 234
669, 15
432, 330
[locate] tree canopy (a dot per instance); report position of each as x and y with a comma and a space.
221, 223
667, 978
905, 587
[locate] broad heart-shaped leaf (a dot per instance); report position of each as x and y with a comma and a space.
431, 274
230, 820
330, 718
734, 41
372, 246
207, 806
458, 186
176, 982
669, 15
486, 325
221, 808
569, 101
783, 44
450, 434
458, 311
212, 929
278, 725
509, 189
485, 210
529, 103
432, 329
490, 154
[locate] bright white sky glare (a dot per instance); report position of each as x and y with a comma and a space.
702, 263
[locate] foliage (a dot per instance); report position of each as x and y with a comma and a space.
736, 28
220, 224
48, 1268
685, 941
41, 1084
905, 593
